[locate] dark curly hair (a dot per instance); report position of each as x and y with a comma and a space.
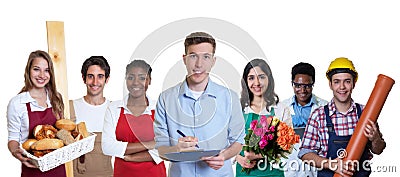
303, 68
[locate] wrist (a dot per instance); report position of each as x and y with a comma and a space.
331, 164
14, 152
234, 159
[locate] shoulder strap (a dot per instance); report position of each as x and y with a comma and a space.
153, 114
272, 113
72, 111
328, 119
359, 111
326, 109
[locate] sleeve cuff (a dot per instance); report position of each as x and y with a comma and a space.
154, 154
304, 151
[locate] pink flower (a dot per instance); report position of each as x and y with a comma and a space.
263, 121
253, 125
263, 142
259, 131
270, 136
272, 128
266, 129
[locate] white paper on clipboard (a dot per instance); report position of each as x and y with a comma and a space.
191, 156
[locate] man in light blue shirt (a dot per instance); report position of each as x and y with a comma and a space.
207, 113
303, 102
301, 105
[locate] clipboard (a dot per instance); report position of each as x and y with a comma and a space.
191, 156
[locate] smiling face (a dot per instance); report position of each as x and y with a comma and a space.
39, 73
342, 85
302, 89
257, 81
199, 60
137, 82
95, 80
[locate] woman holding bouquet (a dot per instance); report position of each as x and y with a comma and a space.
258, 99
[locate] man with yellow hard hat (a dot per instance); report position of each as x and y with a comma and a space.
330, 127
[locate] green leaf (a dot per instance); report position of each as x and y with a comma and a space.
254, 139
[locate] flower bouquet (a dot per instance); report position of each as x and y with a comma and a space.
271, 138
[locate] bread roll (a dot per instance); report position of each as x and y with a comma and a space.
66, 124
47, 143
44, 131
81, 126
28, 143
78, 137
65, 136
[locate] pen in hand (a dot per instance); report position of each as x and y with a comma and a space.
183, 135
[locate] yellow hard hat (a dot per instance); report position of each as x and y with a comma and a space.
341, 65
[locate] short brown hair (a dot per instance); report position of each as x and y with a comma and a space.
197, 38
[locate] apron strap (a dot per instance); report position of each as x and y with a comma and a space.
272, 112
359, 111
329, 123
72, 111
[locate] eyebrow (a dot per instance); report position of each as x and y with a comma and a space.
256, 75
140, 74
347, 79
94, 74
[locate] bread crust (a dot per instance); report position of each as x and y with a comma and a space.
47, 143
28, 143
65, 136
65, 124
82, 129
44, 131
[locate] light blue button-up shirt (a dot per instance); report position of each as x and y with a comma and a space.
215, 118
302, 113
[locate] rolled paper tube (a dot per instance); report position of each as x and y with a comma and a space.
371, 112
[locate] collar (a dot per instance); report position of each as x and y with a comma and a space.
264, 111
312, 101
27, 98
333, 109
152, 105
211, 89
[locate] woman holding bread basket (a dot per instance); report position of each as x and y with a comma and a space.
38, 103
128, 127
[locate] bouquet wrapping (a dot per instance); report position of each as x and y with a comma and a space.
271, 138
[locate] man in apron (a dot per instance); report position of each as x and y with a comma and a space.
91, 109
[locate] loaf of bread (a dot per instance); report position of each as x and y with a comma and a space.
82, 129
28, 143
44, 131
47, 143
66, 124
65, 136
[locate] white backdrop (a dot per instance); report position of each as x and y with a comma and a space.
287, 31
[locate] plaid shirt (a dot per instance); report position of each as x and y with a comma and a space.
316, 134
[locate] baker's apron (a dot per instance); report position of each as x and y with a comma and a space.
41, 118
138, 129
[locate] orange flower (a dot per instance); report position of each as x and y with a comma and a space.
286, 136
282, 141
